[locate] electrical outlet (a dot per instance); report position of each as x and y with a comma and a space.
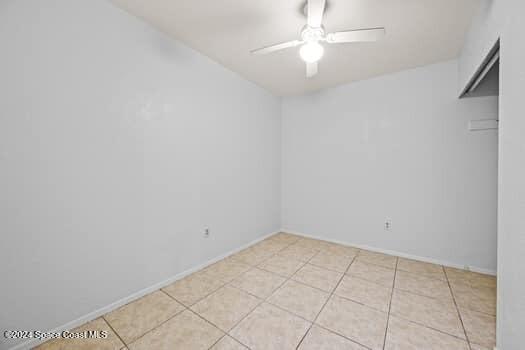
388, 225
206, 232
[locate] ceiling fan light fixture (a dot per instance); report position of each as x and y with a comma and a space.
313, 33
311, 52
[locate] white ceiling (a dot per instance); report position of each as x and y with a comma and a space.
419, 32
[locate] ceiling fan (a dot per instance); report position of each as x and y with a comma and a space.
313, 33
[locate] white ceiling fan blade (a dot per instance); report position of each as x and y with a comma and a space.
315, 12
358, 35
276, 47
311, 69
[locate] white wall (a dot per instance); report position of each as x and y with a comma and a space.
117, 147
394, 147
504, 19
478, 43
115, 136
511, 229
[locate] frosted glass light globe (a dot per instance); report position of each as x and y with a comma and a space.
311, 52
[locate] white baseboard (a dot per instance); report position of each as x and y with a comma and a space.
126, 300
400, 254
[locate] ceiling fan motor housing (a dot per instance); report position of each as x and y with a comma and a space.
312, 34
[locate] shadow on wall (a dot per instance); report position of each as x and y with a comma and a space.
489, 84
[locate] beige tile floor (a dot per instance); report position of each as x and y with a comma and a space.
290, 292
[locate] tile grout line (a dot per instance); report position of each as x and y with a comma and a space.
307, 320
439, 299
160, 324
285, 246
303, 263
423, 274
196, 314
317, 325
428, 327
432, 297
457, 309
342, 336
182, 304
220, 280
207, 295
288, 278
198, 300
229, 283
232, 286
326, 302
422, 324
467, 307
359, 302
252, 267
326, 268
307, 285
150, 330
419, 294
301, 317
333, 293
114, 331
390, 303
268, 258
478, 312
263, 300
376, 264
225, 333
188, 308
